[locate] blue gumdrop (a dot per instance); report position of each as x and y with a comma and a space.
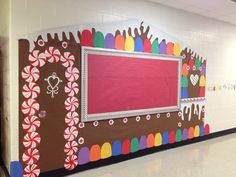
116, 148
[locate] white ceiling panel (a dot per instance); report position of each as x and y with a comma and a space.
224, 10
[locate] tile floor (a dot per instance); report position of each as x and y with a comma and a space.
212, 158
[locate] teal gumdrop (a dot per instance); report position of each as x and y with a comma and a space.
184, 81
98, 40
155, 46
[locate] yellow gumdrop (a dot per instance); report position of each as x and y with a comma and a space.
129, 43
196, 131
106, 150
177, 49
202, 82
158, 139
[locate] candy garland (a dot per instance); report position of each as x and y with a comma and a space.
30, 107
71, 105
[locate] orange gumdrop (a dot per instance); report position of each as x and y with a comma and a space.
184, 70
119, 42
95, 153
150, 140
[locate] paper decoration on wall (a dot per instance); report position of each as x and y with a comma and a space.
53, 83
222, 87
75, 141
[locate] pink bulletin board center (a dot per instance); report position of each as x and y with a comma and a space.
120, 84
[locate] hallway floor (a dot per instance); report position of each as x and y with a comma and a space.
212, 158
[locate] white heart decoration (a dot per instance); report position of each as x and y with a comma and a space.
194, 79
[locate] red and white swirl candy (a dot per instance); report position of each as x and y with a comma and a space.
31, 171
52, 54
71, 88
30, 107
31, 123
37, 58
71, 162
31, 90
71, 104
31, 156
30, 74
72, 118
31, 140
72, 74
71, 148
67, 59
70, 133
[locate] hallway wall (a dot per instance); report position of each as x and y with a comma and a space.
212, 39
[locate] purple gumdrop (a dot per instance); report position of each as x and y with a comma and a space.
143, 142
203, 69
109, 41
185, 134
163, 47
83, 156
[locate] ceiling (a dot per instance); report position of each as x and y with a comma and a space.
224, 10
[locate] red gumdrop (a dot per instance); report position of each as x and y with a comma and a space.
86, 38
126, 147
171, 137
147, 46
191, 63
207, 129
202, 92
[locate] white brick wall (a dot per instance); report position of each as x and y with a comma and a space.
212, 39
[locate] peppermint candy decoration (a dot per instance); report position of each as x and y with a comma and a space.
71, 88
30, 107
31, 156
72, 74
31, 140
71, 162
52, 54
67, 59
71, 104
71, 148
31, 123
30, 74
37, 58
31, 90
70, 133
72, 118
31, 171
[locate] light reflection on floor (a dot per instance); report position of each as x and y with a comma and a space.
212, 158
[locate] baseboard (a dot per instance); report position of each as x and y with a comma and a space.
117, 159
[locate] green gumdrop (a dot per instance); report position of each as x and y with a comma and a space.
178, 136
197, 63
155, 46
134, 145
184, 81
98, 40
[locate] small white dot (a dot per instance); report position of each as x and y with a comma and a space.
138, 118
111, 122
95, 123
158, 115
125, 120
168, 115
148, 117
81, 140
81, 125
